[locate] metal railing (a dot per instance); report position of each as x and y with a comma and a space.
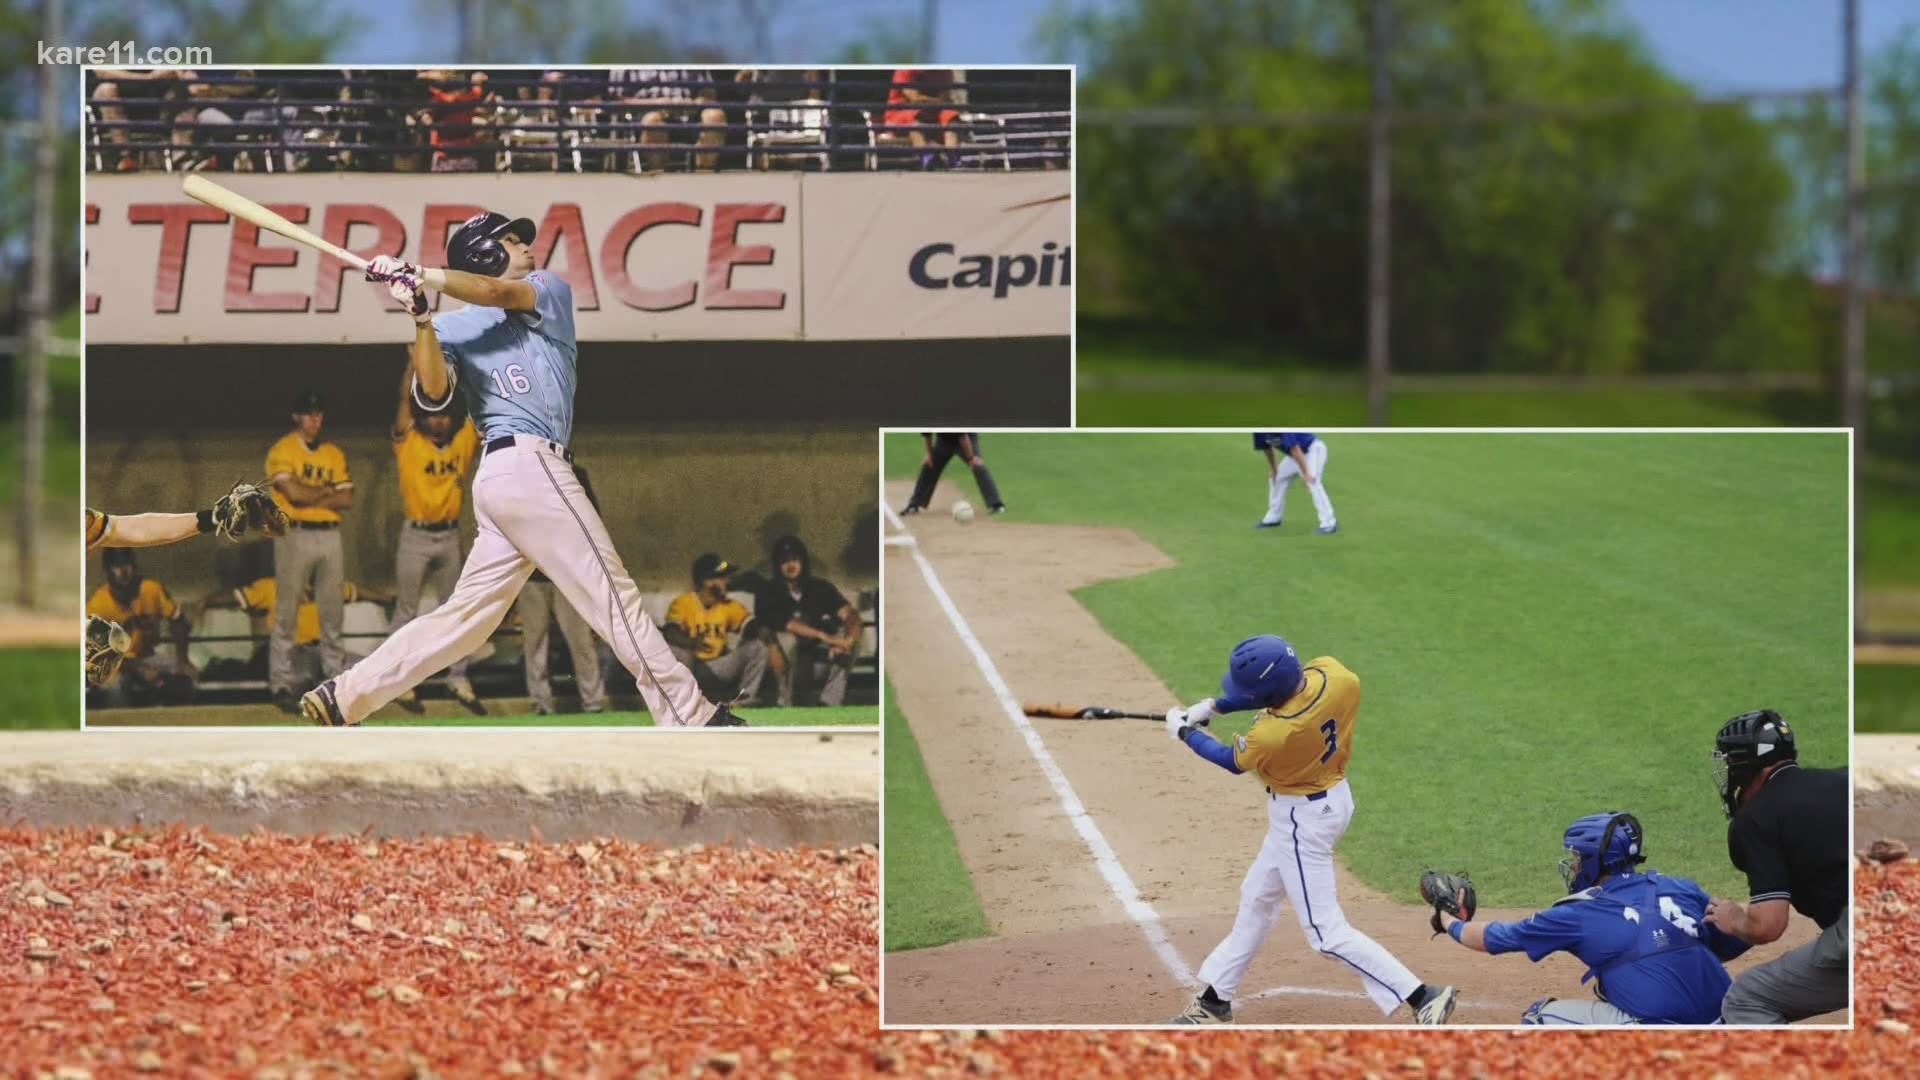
575, 120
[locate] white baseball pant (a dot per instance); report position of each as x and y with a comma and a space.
532, 512
1296, 862
1284, 474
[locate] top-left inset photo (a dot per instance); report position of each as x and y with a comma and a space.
521, 396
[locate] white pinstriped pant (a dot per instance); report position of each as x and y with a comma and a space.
532, 511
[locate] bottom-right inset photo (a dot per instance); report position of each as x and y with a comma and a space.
1366, 728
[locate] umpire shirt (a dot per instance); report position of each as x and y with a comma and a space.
1790, 840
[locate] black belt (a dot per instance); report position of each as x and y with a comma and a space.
1315, 797
316, 524
433, 526
530, 441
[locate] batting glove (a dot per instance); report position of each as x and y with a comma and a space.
387, 268
412, 299
1176, 723
1201, 713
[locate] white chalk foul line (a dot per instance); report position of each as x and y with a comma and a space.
1104, 859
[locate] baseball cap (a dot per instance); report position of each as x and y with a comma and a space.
308, 401
710, 565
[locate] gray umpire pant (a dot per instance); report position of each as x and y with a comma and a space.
300, 558
808, 665
425, 556
1576, 1011
541, 605
1799, 983
734, 675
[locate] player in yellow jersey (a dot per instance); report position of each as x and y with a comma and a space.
433, 452
700, 626
309, 478
1298, 747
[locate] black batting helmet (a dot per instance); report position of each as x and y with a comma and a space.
475, 246
1746, 746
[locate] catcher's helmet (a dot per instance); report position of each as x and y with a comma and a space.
1746, 746
475, 246
1262, 671
1600, 844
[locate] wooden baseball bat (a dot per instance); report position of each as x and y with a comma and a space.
1087, 712
205, 190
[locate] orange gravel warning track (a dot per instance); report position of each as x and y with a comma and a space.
264, 953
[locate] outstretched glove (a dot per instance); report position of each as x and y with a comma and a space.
248, 506
1451, 894
107, 645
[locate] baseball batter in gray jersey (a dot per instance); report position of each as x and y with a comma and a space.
511, 350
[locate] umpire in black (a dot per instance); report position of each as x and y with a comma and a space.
1787, 831
942, 447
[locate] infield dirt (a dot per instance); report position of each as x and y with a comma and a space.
1063, 949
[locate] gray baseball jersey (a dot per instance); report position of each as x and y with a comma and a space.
517, 368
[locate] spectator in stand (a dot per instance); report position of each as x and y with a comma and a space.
142, 605
122, 95
699, 625
813, 626
453, 121
921, 96
210, 116
531, 120
786, 109
660, 96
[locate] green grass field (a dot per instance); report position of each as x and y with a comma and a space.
1886, 698
930, 899
266, 716
40, 688
1546, 626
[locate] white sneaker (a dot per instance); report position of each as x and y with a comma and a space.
1438, 1007
1199, 1013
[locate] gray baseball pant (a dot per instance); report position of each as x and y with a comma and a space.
809, 658
425, 556
734, 675
1799, 983
301, 557
541, 605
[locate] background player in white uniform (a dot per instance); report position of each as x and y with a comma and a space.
1299, 748
512, 351
1302, 455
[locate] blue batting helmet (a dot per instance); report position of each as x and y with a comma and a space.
1600, 844
1263, 671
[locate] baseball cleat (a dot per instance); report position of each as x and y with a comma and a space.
1328, 530
286, 702
463, 693
997, 508
1263, 523
724, 717
411, 702
1201, 1013
911, 509
319, 706
1439, 1006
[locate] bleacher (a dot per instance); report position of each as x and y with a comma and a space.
566, 120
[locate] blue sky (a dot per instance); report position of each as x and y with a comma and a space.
1781, 43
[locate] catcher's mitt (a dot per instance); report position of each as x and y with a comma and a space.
1449, 893
248, 506
107, 645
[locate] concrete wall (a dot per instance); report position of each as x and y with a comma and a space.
666, 496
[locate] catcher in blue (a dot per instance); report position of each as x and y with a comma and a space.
1650, 952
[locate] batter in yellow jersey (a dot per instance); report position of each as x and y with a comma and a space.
1298, 747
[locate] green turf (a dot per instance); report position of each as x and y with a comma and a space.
40, 688
1324, 408
930, 899
1545, 626
1886, 698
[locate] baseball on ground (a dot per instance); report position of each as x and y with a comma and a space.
962, 511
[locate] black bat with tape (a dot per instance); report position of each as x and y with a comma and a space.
1088, 712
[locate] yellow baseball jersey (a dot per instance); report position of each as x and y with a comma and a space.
95, 524
707, 626
1301, 745
430, 475
258, 599
324, 465
141, 617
